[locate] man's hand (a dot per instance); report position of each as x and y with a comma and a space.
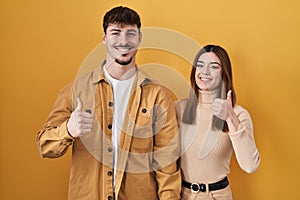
80, 122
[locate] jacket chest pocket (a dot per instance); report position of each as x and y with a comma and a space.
143, 118
142, 123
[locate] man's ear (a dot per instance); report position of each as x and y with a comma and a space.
103, 38
140, 36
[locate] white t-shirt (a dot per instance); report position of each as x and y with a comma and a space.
121, 92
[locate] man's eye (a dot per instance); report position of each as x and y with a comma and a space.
131, 34
115, 33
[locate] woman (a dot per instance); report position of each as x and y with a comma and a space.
212, 126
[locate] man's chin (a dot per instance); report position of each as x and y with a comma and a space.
123, 62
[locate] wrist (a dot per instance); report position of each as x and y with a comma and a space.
69, 129
233, 122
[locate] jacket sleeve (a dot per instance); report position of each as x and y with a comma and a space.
53, 139
178, 112
167, 150
243, 143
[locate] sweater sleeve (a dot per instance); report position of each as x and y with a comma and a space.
53, 139
243, 142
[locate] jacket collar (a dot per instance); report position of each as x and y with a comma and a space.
98, 76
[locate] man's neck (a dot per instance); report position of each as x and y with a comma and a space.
121, 72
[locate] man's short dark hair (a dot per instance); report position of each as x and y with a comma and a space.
121, 15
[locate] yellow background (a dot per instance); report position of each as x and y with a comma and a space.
43, 43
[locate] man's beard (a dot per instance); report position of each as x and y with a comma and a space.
123, 62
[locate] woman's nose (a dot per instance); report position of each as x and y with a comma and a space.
205, 70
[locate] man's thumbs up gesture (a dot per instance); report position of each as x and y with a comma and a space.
222, 108
80, 122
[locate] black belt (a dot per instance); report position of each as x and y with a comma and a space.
200, 187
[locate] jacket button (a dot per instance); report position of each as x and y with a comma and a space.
109, 198
109, 149
110, 104
69, 140
144, 110
109, 173
109, 126
88, 111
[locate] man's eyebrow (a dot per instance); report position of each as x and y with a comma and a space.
115, 29
131, 30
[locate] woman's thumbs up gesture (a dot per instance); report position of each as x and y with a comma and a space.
222, 108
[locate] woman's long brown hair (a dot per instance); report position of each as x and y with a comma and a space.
189, 113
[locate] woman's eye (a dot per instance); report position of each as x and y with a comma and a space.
214, 66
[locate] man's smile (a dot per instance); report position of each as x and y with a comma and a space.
124, 49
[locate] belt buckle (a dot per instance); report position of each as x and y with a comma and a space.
196, 187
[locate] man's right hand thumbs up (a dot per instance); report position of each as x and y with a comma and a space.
80, 122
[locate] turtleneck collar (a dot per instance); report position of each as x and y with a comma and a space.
207, 97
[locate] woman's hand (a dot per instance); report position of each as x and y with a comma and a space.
222, 108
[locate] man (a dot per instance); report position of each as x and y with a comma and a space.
121, 124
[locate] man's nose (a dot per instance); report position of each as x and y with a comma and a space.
123, 39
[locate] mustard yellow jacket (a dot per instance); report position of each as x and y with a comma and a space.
149, 143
